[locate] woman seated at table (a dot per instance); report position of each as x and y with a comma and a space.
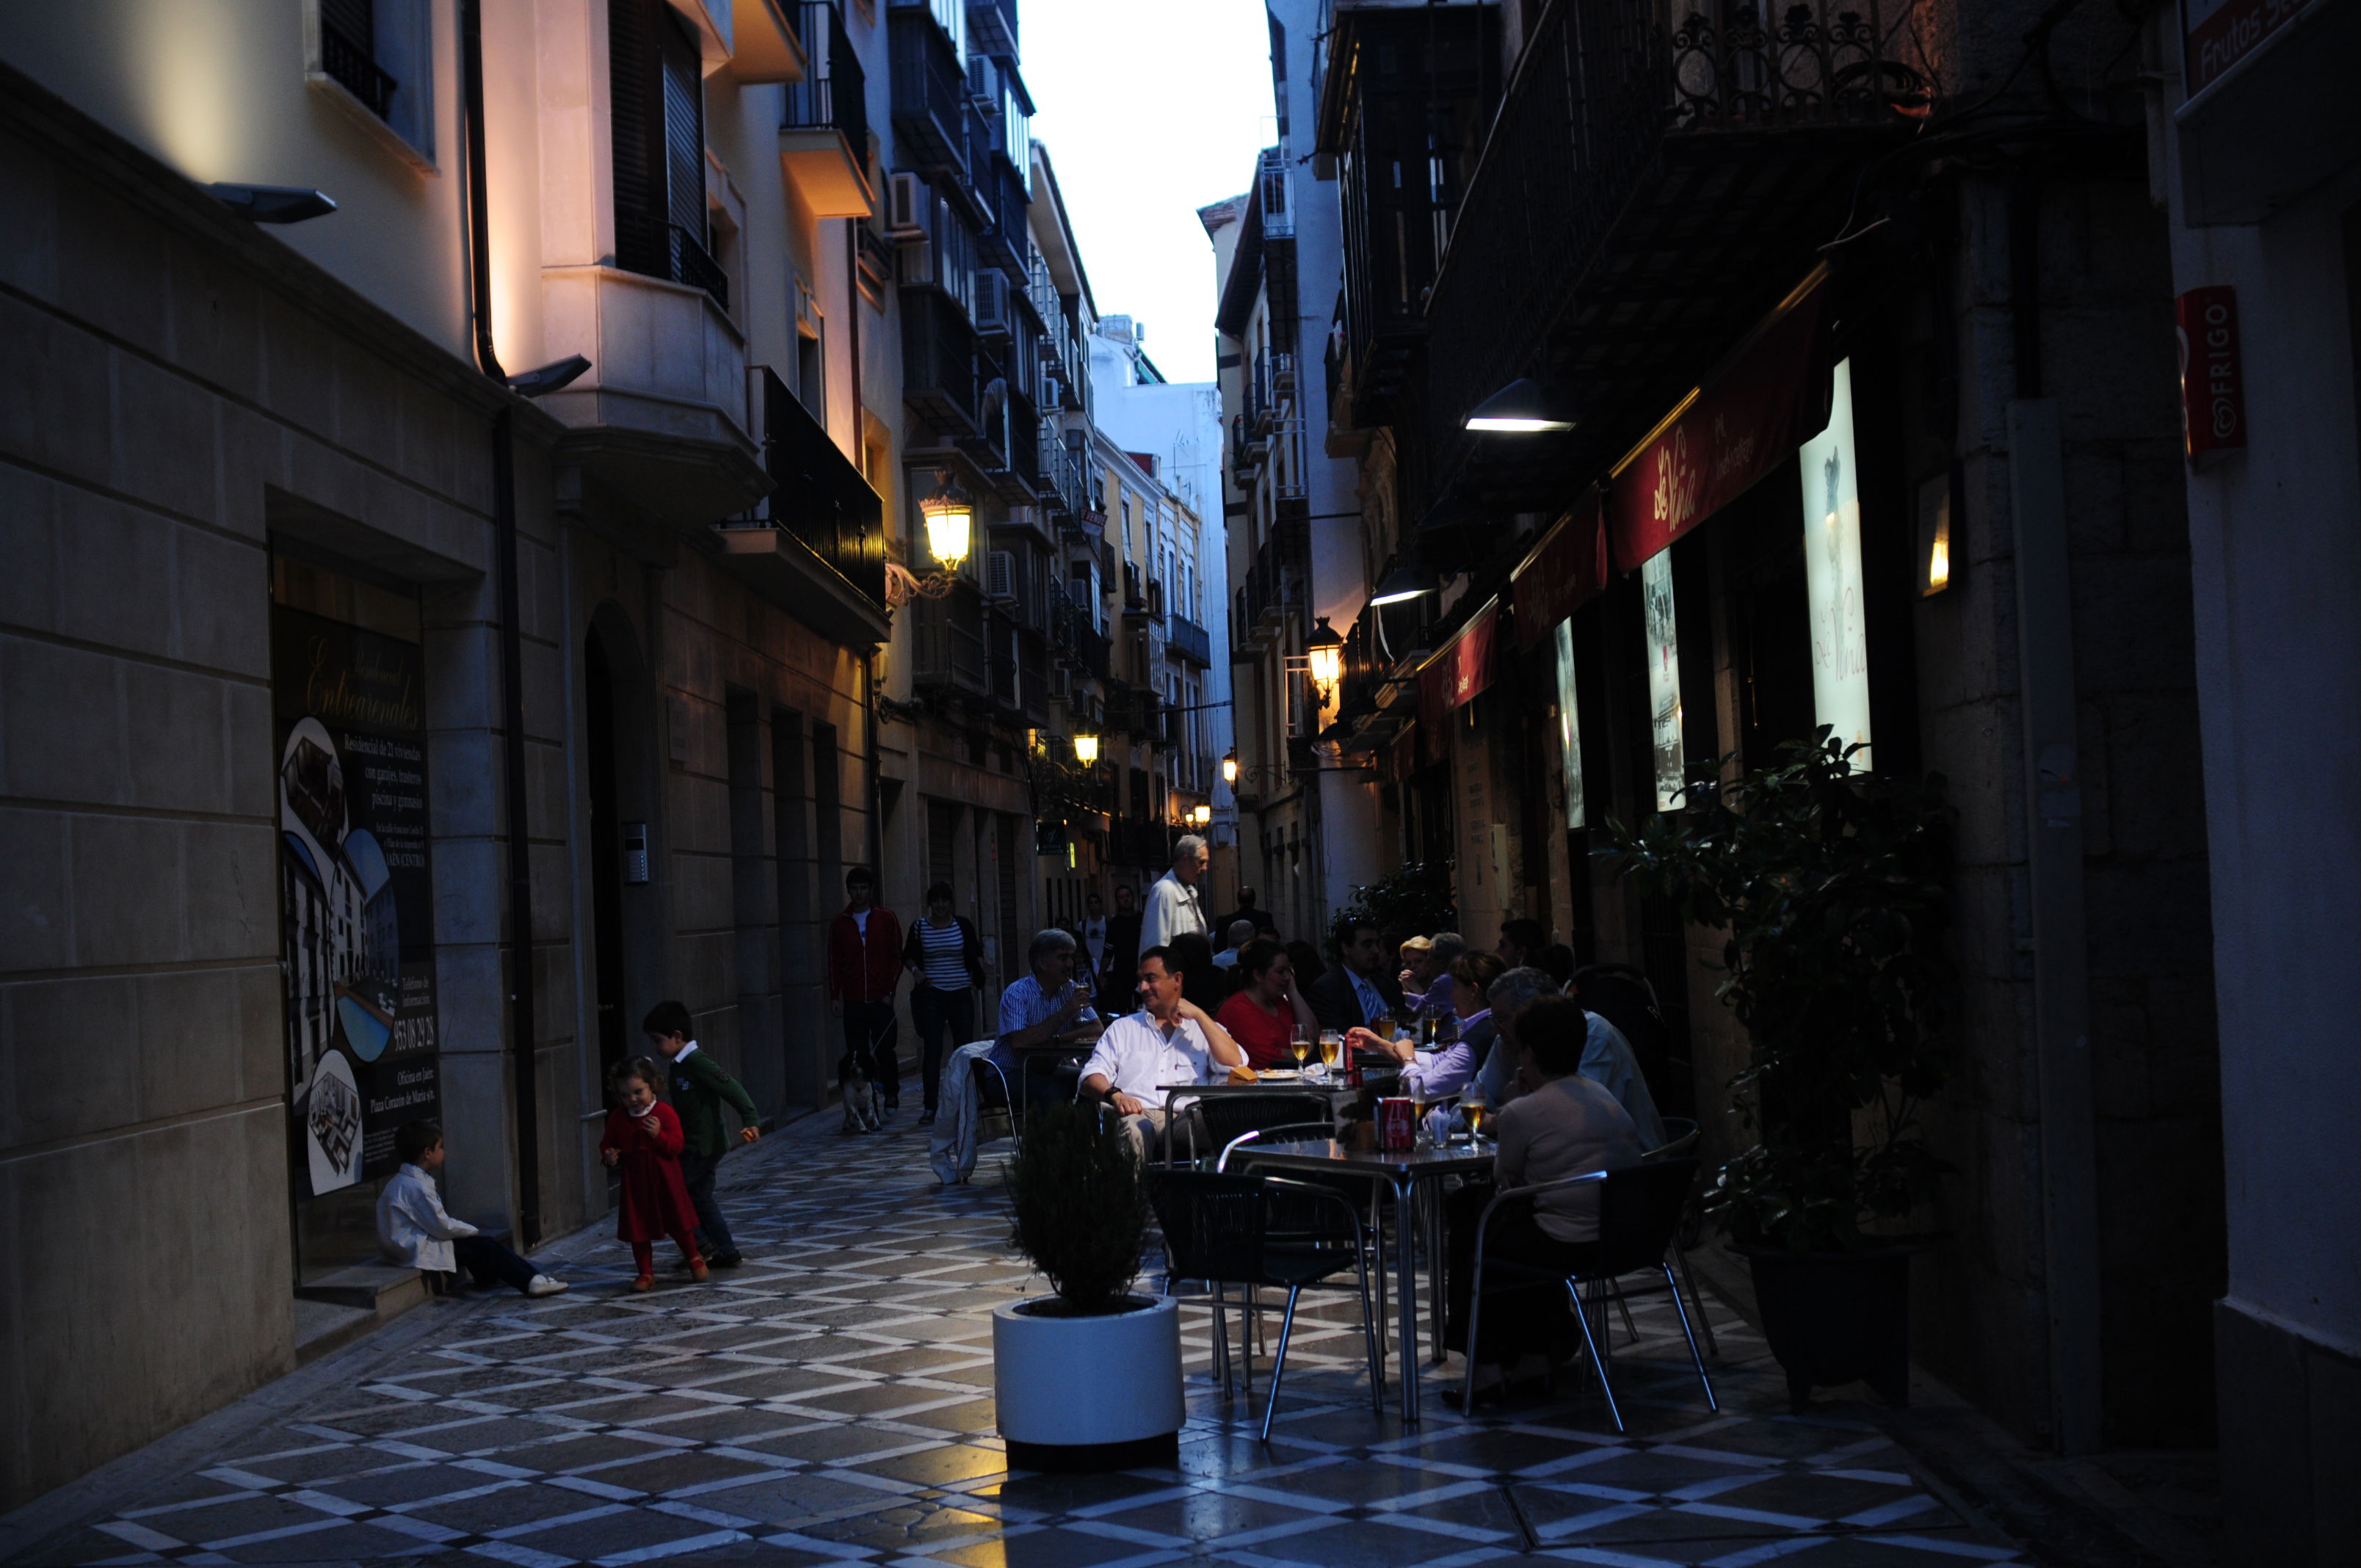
1445, 1070
1562, 1124
1268, 1009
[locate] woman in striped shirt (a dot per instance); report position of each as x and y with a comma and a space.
945, 954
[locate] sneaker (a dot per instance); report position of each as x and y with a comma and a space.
543, 1285
726, 1260
926, 1118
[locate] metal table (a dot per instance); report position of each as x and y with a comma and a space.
1336, 1090
1402, 1169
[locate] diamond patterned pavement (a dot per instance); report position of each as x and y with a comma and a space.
831, 1403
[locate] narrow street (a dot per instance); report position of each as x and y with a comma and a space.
831, 1402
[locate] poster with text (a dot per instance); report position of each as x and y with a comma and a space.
356, 896
1569, 727
1832, 575
1664, 677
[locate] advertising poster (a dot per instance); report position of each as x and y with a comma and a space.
1832, 575
356, 896
1569, 727
1664, 677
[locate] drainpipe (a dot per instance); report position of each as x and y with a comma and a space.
519, 941
2053, 802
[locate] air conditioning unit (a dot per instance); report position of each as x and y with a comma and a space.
991, 301
1000, 575
905, 206
1051, 393
1061, 684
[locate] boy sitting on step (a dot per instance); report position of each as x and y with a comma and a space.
413, 1230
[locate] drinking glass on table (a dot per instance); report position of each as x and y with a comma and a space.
1300, 1049
1331, 1048
1382, 1026
1477, 1111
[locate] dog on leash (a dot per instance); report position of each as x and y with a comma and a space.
864, 1100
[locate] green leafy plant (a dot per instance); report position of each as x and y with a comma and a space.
1079, 1207
1834, 888
1416, 900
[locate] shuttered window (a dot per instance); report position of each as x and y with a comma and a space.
657, 87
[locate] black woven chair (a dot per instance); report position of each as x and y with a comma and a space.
1259, 1231
1227, 1116
1639, 1208
1680, 1138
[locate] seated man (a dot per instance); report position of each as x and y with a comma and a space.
1170, 1040
413, 1231
1607, 1060
1240, 933
1476, 987
1563, 1125
1047, 1007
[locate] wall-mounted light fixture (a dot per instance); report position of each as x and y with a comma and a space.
544, 379
1086, 749
1521, 407
949, 514
274, 203
1230, 767
1406, 581
1935, 510
1202, 815
1324, 653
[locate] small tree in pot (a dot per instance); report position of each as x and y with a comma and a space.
1833, 886
1088, 1377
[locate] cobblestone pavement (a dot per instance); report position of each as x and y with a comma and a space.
831, 1403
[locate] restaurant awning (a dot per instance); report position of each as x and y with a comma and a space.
1770, 397
1562, 574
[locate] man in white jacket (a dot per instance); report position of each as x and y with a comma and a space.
1174, 907
413, 1230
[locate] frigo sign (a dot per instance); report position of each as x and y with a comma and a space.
2213, 377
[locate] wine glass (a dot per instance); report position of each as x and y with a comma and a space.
1331, 1048
1299, 1048
1475, 1111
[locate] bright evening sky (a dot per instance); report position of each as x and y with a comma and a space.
1150, 109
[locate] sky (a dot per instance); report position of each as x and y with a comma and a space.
1150, 109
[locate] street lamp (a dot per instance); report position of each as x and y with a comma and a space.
1521, 407
1202, 815
1404, 582
273, 204
1230, 767
1324, 653
949, 516
1086, 749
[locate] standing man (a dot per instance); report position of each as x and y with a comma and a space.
1357, 991
1174, 908
1118, 970
1092, 935
1263, 924
864, 971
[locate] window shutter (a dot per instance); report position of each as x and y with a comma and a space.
684, 129
636, 93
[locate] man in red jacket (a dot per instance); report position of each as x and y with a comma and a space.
864, 971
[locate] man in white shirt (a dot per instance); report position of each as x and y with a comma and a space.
1174, 908
413, 1230
1171, 1040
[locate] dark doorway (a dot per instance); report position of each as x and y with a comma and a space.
606, 861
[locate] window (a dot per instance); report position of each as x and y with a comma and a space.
376, 57
657, 84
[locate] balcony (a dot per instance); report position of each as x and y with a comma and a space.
946, 642
1693, 175
1184, 639
930, 96
824, 136
817, 542
992, 27
661, 412
353, 66
939, 380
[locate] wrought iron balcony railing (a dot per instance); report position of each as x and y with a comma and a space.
693, 265
1184, 639
835, 92
930, 90
353, 66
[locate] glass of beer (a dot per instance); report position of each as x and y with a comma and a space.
1382, 1026
1331, 1048
1299, 1048
1476, 1113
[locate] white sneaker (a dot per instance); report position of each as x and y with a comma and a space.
543, 1285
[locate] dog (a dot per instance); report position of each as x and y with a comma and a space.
864, 1100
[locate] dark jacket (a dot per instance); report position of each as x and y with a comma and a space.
914, 951
699, 1087
864, 968
1260, 918
1338, 1006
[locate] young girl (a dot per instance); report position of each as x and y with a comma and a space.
644, 1137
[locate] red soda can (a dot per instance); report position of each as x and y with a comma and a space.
1397, 1123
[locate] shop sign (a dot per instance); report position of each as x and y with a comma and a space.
2218, 34
1469, 657
1734, 430
1562, 574
2212, 376
356, 896
1664, 677
1570, 728
1832, 574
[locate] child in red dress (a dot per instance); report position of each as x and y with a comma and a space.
643, 1138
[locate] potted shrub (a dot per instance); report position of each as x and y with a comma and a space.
1087, 1378
1833, 887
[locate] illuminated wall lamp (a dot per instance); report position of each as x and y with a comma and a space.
1086, 749
948, 513
1324, 653
1521, 407
1202, 815
1935, 514
1230, 767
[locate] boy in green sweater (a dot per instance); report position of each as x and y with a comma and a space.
698, 1088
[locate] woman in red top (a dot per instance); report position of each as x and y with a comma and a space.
1268, 1011
643, 1138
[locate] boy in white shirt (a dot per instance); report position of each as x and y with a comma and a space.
413, 1230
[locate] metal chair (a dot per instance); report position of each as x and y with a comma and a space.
1682, 1136
990, 1086
1638, 1206
1228, 1116
1259, 1230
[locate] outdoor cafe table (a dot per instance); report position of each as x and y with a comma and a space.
1402, 1169
1334, 1089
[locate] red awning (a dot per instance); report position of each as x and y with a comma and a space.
1457, 674
1565, 569
1772, 397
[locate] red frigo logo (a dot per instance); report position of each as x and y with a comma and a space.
2213, 383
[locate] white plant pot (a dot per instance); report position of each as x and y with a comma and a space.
1088, 1393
